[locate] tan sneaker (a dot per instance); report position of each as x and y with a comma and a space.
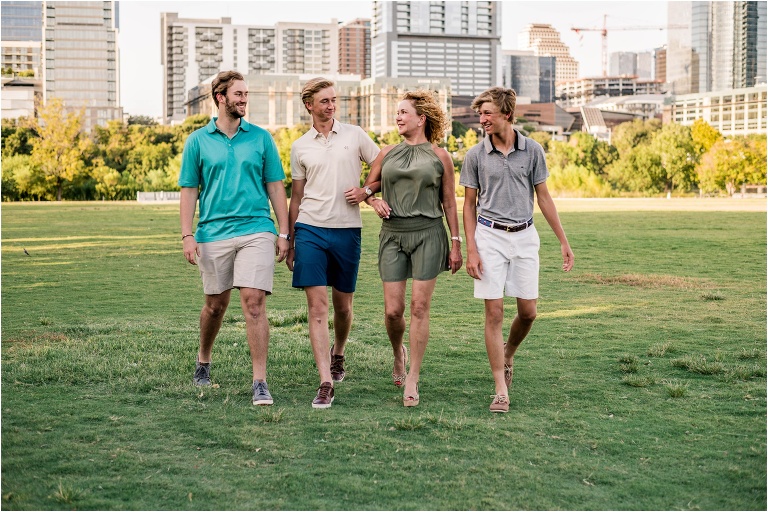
500, 403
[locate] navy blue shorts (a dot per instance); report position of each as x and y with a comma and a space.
326, 257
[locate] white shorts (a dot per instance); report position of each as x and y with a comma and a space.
241, 262
510, 263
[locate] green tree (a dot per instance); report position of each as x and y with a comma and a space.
542, 138
57, 151
21, 180
470, 138
451, 145
704, 136
593, 154
627, 136
458, 129
730, 163
141, 120
390, 138
17, 135
284, 139
677, 158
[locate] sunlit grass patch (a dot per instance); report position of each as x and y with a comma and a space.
66, 495
638, 381
410, 423
712, 296
284, 318
646, 280
699, 364
675, 389
659, 349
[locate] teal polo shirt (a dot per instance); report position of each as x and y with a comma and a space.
231, 175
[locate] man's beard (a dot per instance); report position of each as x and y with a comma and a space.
231, 109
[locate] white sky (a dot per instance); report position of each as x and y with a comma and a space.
139, 37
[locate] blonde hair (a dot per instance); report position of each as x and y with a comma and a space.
313, 87
503, 98
222, 82
425, 103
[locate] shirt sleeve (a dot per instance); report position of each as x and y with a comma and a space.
468, 176
368, 149
189, 176
540, 171
297, 170
273, 167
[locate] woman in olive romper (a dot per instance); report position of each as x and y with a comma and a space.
417, 185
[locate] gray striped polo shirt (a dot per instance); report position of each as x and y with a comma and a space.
505, 183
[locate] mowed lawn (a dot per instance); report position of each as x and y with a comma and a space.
642, 385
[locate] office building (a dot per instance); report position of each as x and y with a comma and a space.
545, 41
458, 40
731, 112
193, 50
355, 48
722, 47
311, 48
583, 91
21, 34
622, 63
81, 59
644, 65
660, 64
531, 76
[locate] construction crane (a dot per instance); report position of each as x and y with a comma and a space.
604, 36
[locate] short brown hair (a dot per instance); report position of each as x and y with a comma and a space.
222, 82
425, 103
503, 98
313, 87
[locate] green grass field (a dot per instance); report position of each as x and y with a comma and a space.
641, 387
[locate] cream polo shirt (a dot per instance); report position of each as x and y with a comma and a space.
331, 166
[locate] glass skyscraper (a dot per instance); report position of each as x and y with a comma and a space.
722, 47
531, 76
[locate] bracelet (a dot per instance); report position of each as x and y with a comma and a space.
457, 238
185, 236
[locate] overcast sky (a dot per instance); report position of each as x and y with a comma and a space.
139, 37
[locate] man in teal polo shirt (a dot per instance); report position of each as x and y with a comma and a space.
233, 167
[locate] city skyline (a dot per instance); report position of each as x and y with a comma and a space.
139, 37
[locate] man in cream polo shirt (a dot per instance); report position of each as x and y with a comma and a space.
325, 225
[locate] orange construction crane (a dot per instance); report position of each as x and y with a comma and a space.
604, 36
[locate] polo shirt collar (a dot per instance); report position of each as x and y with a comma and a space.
519, 142
211, 126
335, 128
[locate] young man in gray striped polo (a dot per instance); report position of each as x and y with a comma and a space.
500, 176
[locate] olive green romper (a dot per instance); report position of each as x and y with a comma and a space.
413, 242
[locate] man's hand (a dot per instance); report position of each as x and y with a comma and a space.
281, 248
191, 249
289, 259
567, 257
474, 265
355, 195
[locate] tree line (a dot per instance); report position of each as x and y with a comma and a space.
52, 158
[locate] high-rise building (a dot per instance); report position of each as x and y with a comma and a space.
622, 63
722, 47
355, 48
81, 59
531, 76
193, 50
660, 64
544, 40
645, 65
21, 35
458, 40
308, 47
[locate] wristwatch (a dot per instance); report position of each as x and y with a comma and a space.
286, 236
368, 191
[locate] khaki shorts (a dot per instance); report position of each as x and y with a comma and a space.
241, 262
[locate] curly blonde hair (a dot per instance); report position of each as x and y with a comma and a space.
425, 103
